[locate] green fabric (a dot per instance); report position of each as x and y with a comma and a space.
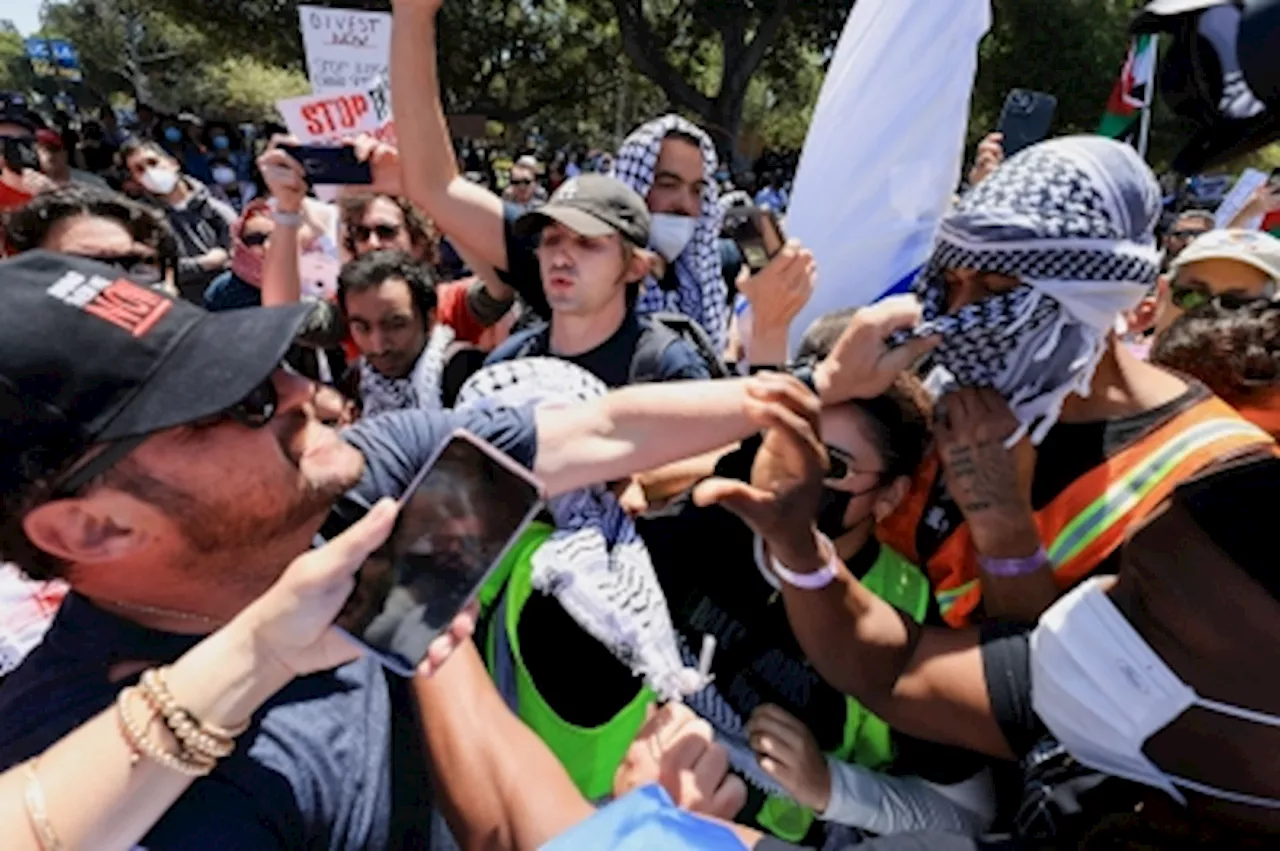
867, 741
591, 756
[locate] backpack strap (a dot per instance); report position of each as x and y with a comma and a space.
664, 330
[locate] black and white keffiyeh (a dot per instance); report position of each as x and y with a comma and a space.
702, 294
595, 563
1073, 219
421, 389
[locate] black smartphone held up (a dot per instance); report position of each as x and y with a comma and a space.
331, 166
758, 234
1025, 119
20, 154
457, 520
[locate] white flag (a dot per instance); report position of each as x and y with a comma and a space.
885, 149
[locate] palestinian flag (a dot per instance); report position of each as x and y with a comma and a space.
1132, 90
1271, 224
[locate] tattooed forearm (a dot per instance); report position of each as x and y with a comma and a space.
982, 477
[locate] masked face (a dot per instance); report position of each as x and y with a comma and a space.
856, 472
224, 175
669, 234
172, 135
221, 142
159, 180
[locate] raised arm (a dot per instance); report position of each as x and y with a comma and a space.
468, 214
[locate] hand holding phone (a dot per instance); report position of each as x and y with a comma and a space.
758, 234
1025, 119
457, 520
330, 166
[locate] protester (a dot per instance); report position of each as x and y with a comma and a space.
669, 162
20, 181
205, 508
1028, 276
1234, 349
100, 225
201, 222
55, 161
522, 190
1232, 264
593, 257
989, 155
1186, 227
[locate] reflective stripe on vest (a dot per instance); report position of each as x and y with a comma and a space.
867, 739
592, 755
1132, 484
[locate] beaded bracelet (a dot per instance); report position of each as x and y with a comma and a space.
37, 812
192, 765
192, 735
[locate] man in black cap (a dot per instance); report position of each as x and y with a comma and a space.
169, 478
20, 177
593, 258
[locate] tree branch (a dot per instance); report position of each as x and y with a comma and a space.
640, 47
738, 75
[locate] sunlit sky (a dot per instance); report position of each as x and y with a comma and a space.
24, 13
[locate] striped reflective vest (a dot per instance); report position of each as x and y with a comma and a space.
1089, 519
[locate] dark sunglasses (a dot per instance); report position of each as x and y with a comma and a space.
1189, 298
521, 182
253, 240
841, 465
142, 269
384, 232
253, 411
1186, 234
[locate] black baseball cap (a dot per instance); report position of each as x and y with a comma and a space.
592, 205
88, 356
14, 109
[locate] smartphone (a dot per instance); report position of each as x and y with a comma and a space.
458, 518
1025, 119
20, 154
758, 234
331, 166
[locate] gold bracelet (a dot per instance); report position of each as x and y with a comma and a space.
192, 765
194, 736
36, 812
159, 685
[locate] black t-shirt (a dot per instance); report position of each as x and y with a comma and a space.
1069, 451
611, 361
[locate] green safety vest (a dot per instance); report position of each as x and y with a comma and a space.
592, 755
867, 740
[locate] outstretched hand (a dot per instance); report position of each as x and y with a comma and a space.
781, 500
861, 364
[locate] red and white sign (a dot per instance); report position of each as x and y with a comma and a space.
331, 117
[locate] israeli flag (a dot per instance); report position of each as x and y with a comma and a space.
885, 148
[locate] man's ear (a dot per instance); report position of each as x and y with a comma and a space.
643, 264
85, 530
891, 498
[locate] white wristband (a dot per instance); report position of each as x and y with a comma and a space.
817, 580
286, 220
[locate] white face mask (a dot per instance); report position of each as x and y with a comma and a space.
224, 176
159, 180
1102, 692
669, 234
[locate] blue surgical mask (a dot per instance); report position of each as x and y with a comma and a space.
221, 142
172, 134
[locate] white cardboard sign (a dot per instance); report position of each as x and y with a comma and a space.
346, 48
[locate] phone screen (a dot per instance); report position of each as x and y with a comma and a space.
456, 522
748, 230
1025, 119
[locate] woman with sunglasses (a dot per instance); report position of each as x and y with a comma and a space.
814, 761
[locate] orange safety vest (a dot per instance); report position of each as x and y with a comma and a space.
1088, 521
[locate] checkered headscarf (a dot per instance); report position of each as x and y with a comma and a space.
1073, 219
595, 563
702, 294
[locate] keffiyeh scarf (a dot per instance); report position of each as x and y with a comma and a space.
421, 389
702, 294
595, 563
1073, 220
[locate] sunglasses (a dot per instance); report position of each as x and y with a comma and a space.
384, 232
253, 411
253, 240
521, 182
1189, 298
142, 269
1186, 234
842, 465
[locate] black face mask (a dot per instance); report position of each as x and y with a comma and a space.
831, 511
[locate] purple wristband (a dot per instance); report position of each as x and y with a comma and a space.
1006, 567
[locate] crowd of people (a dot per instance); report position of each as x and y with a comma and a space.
979, 567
